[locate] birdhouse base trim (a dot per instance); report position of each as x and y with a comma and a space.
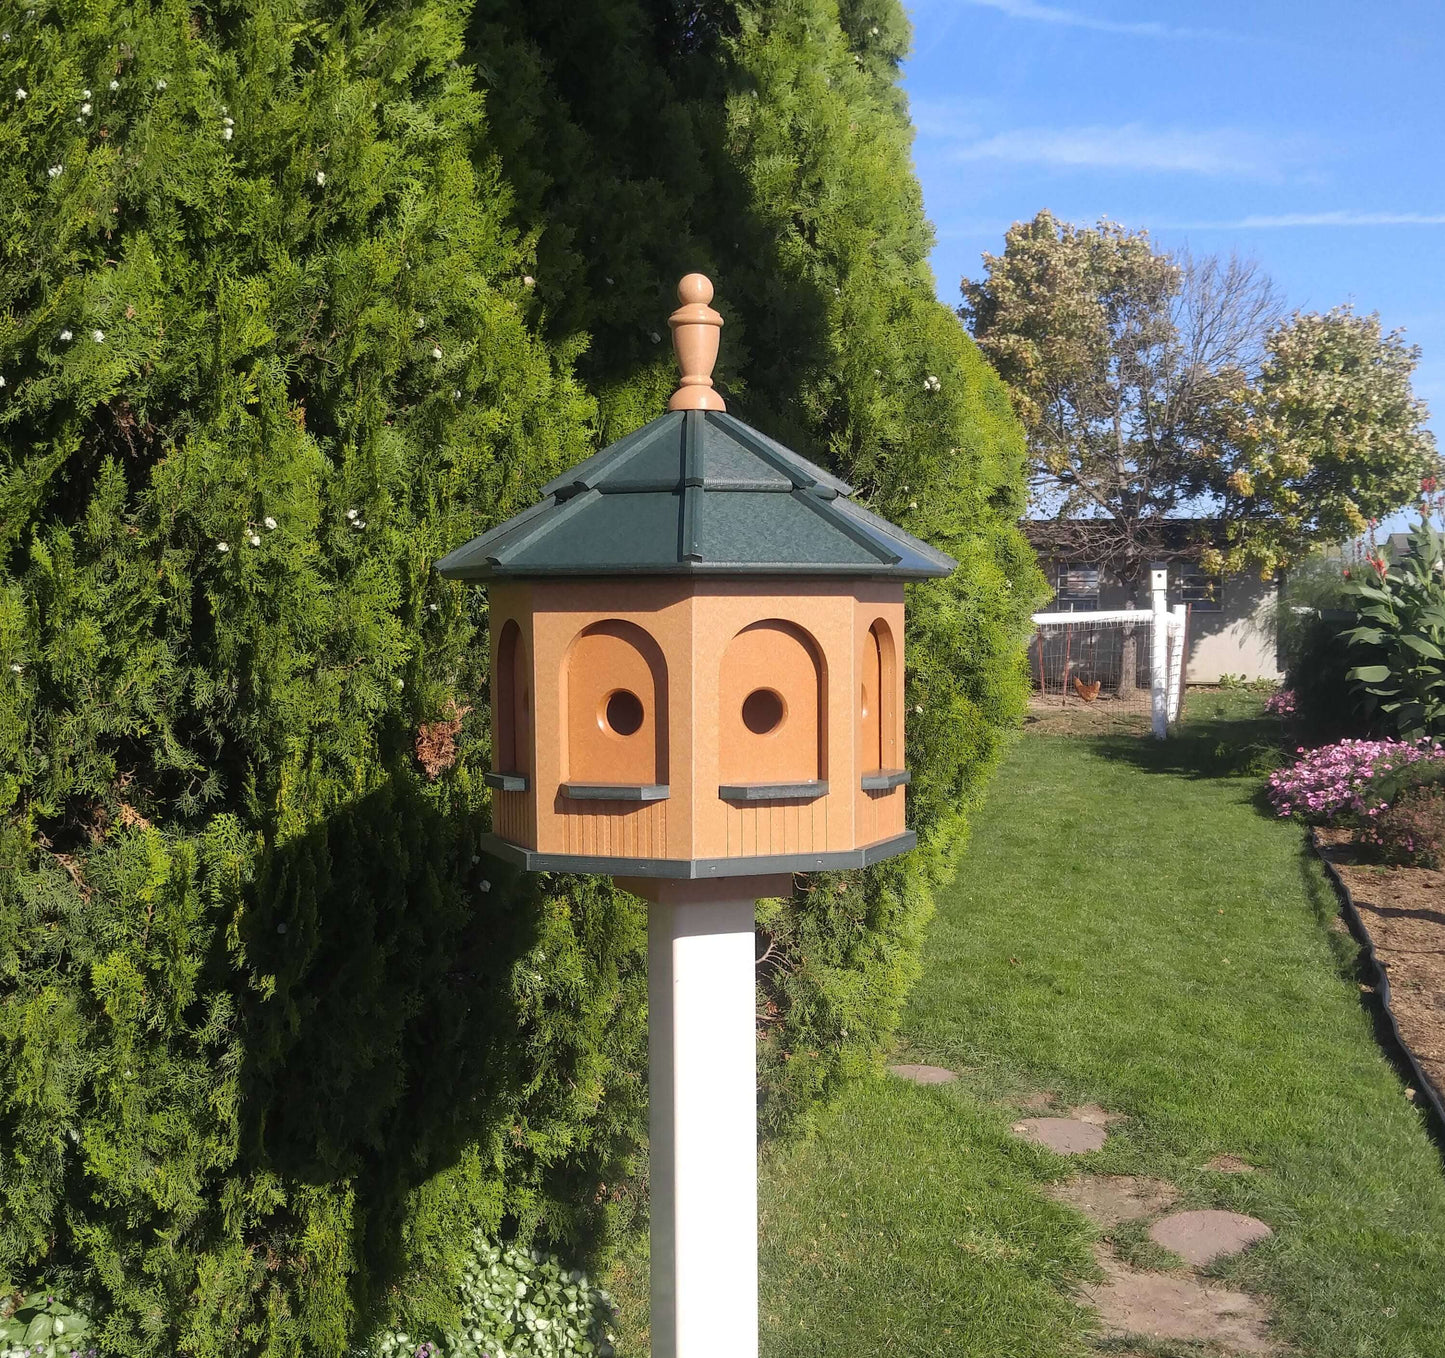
772, 792
698, 869
506, 782
881, 780
616, 792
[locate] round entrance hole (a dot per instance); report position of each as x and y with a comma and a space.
623, 713
762, 711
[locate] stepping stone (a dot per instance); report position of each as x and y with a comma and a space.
923, 1075
1161, 1307
1229, 1164
1108, 1199
1036, 1103
1091, 1112
1201, 1237
1067, 1136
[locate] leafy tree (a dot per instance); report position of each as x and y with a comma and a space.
1156, 385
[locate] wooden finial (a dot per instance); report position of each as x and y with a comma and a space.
696, 330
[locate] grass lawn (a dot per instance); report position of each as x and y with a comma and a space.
1129, 929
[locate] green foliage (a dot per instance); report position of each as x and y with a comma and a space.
1312, 612
1399, 676
41, 1325
296, 313
513, 1304
770, 148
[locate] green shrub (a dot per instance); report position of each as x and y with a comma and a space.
42, 1325
1312, 614
294, 316
513, 1304
1398, 676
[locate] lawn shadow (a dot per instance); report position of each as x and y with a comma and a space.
1223, 747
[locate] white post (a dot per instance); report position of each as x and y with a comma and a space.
1159, 652
1178, 623
703, 1121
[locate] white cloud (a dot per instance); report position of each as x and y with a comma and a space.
1052, 14
1293, 219
1132, 147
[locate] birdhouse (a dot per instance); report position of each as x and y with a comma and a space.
697, 652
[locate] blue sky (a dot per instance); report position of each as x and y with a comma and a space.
1307, 134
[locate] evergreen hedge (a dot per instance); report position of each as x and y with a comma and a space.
295, 296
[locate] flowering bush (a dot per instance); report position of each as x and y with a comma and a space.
1335, 782
1281, 704
1412, 831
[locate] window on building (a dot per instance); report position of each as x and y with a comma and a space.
1077, 588
1202, 591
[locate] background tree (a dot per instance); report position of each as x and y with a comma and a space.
1156, 385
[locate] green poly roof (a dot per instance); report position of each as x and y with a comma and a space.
695, 492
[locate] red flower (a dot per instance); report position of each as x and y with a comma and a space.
1427, 484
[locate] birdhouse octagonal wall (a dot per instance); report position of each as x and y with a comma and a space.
697, 726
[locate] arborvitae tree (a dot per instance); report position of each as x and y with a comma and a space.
268, 1040
768, 144
286, 311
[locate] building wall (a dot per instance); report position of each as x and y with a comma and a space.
1238, 638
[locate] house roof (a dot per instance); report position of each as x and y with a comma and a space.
1097, 541
696, 492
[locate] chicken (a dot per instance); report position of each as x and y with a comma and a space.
1088, 692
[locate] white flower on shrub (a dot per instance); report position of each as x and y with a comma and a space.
223, 546
65, 337
21, 96
114, 85
98, 336
270, 522
321, 177
55, 171
436, 351
85, 108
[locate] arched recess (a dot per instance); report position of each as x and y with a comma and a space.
512, 736
772, 706
878, 701
615, 685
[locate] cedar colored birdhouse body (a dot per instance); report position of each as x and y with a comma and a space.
697, 656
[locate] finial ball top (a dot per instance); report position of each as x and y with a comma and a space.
694, 288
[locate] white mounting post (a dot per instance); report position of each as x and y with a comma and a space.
701, 1031
1159, 651
1178, 625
